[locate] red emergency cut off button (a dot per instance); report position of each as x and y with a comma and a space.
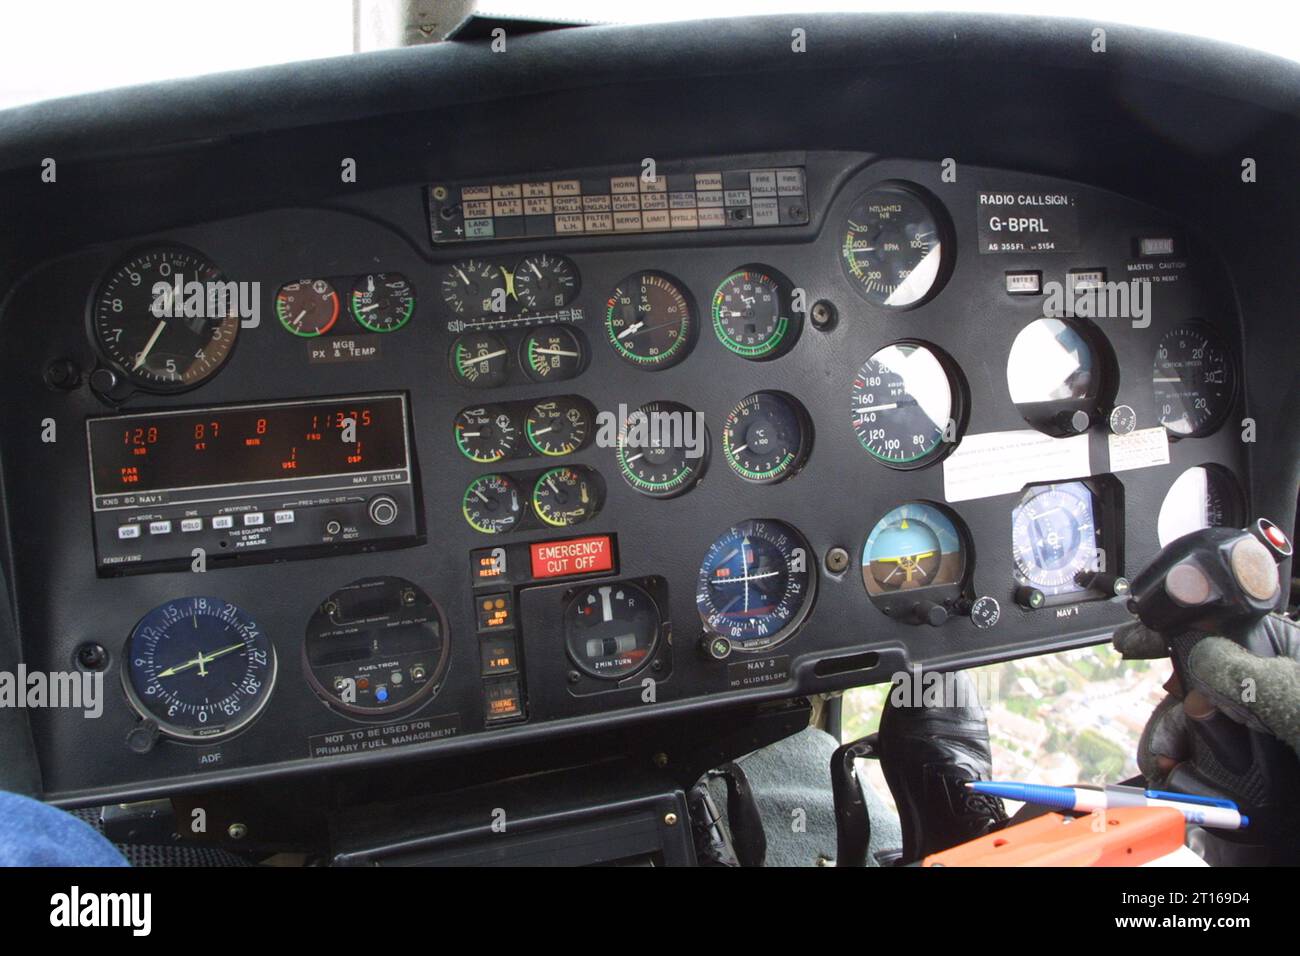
557, 559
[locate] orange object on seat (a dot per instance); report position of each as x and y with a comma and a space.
1121, 836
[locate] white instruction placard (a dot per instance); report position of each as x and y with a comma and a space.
1000, 463
1142, 448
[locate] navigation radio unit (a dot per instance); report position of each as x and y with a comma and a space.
252, 482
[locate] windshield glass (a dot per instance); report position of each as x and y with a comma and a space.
78, 46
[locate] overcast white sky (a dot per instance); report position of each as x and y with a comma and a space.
57, 47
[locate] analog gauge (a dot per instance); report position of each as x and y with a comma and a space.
480, 360
474, 287
486, 434
566, 496
893, 247
752, 315
1054, 538
1207, 496
914, 562
766, 437
545, 282
493, 504
551, 354
662, 449
160, 334
756, 584
1054, 376
1193, 381
200, 667
611, 630
559, 426
307, 308
905, 404
648, 321
383, 301
375, 647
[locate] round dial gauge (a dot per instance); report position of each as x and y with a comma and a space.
662, 449
545, 282
611, 630
486, 434
752, 315
1193, 381
474, 287
648, 321
765, 437
493, 504
307, 308
1054, 375
199, 666
383, 301
904, 403
480, 360
558, 427
551, 354
566, 496
893, 247
756, 584
1054, 537
1206, 496
917, 545
375, 647
172, 339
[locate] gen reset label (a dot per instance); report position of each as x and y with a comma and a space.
1023, 222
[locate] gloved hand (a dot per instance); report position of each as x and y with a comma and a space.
1262, 693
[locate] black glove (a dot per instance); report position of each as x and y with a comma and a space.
1194, 740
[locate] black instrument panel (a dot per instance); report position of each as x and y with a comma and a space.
561, 573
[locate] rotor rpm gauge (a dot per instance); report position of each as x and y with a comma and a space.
307, 308
1193, 381
766, 436
200, 667
611, 630
662, 449
1054, 538
648, 321
558, 427
906, 405
493, 504
383, 301
567, 496
893, 247
545, 281
486, 434
162, 336
480, 360
756, 584
752, 314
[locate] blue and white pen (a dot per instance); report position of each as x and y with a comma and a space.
1201, 811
